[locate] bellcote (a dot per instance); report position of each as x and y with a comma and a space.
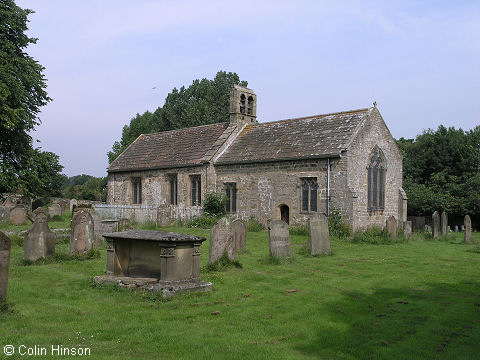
243, 105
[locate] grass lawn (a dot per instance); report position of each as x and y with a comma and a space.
415, 300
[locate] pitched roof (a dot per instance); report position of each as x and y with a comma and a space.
309, 137
176, 148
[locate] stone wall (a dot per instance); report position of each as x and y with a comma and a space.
155, 204
263, 187
375, 132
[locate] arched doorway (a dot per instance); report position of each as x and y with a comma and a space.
285, 213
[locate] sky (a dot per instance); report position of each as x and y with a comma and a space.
107, 60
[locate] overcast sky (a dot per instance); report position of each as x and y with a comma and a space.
419, 60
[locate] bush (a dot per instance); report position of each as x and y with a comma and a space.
372, 235
214, 204
298, 229
206, 221
336, 226
254, 225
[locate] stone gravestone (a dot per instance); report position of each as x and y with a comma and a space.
5, 245
391, 225
82, 237
72, 203
318, 236
467, 235
3, 214
435, 225
407, 229
444, 223
63, 205
239, 234
222, 241
456, 228
279, 238
18, 215
55, 210
39, 241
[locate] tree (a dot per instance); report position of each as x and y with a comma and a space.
22, 93
441, 171
203, 102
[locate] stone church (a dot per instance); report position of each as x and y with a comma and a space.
289, 169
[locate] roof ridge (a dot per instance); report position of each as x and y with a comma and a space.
314, 116
189, 127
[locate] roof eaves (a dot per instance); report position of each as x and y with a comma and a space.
323, 156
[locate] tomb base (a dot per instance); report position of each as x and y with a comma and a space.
167, 288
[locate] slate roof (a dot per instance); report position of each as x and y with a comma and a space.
302, 138
169, 149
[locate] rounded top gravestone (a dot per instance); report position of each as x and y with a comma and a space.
18, 215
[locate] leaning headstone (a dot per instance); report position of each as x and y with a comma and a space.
73, 202
407, 229
391, 225
444, 223
239, 234
55, 210
467, 235
82, 237
39, 241
279, 239
18, 215
318, 236
222, 241
435, 225
5, 245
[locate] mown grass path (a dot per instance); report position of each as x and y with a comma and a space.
416, 300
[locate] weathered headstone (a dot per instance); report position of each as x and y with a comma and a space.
73, 202
239, 234
407, 229
63, 205
279, 239
83, 236
5, 245
222, 241
39, 241
4, 214
11, 201
462, 228
318, 236
391, 225
55, 210
456, 228
444, 222
435, 225
18, 215
467, 235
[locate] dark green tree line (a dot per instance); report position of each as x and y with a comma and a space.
203, 102
441, 171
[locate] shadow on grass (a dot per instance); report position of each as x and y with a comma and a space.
437, 321
90, 255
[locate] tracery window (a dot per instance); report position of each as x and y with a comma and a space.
137, 190
377, 168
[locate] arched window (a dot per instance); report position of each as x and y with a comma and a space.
377, 167
250, 105
242, 104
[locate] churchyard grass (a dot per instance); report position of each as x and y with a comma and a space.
418, 299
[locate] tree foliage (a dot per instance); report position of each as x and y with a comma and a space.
22, 93
86, 187
203, 102
441, 171
22, 86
